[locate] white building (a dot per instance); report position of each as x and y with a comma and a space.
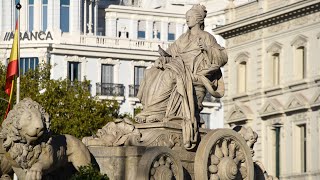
102, 41
273, 79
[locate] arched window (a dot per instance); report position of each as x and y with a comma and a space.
242, 77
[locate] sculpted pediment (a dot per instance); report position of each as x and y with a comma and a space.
274, 48
298, 41
271, 107
296, 102
239, 113
315, 100
243, 56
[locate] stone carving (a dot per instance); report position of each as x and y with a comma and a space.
160, 163
249, 136
223, 154
32, 151
118, 133
178, 82
244, 38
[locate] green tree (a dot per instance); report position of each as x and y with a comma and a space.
71, 108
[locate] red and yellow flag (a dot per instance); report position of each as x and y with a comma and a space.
12, 69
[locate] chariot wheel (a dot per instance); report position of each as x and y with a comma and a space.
159, 163
223, 154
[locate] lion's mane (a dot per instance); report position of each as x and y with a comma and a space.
24, 154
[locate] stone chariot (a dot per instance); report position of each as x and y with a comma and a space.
155, 151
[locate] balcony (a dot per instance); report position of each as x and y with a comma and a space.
122, 43
110, 89
133, 90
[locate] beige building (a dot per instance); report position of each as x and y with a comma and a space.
273, 79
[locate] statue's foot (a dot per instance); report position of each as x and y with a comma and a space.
140, 119
154, 118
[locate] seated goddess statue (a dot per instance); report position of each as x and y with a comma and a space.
179, 80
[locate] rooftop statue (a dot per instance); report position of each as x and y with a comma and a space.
31, 150
178, 82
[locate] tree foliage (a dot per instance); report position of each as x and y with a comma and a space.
71, 108
88, 173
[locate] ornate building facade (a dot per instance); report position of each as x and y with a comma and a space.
109, 42
273, 81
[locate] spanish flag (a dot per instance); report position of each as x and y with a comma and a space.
12, 69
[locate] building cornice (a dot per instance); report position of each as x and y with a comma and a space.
270, 18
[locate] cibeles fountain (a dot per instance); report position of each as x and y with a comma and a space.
167, 140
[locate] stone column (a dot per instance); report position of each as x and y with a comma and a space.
90, 18
111, 25
179, 30
164, 31
149, 29
56, 16
133, 32
50, 15
7, 18
96, 5
85, 7
37, 15
23, 15
75, 17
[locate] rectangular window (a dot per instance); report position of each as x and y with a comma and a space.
106, 73
303, 147
171, 31
300, 63
44, 15
138, 74
31, 14
242, 77
28, 63
156, 30
64, 15
206, 119
277, 151
276, 68
74, 71
141, 29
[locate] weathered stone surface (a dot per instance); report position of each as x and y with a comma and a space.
31, 150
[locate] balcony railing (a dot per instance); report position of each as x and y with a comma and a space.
133, 90
110, 89
123, 43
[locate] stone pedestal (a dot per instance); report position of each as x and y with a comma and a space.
124, 162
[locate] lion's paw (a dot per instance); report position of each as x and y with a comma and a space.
34, 174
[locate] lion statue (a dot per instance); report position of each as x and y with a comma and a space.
32, 151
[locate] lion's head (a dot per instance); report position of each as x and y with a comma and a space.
25, 123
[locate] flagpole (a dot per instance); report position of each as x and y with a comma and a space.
18, 6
